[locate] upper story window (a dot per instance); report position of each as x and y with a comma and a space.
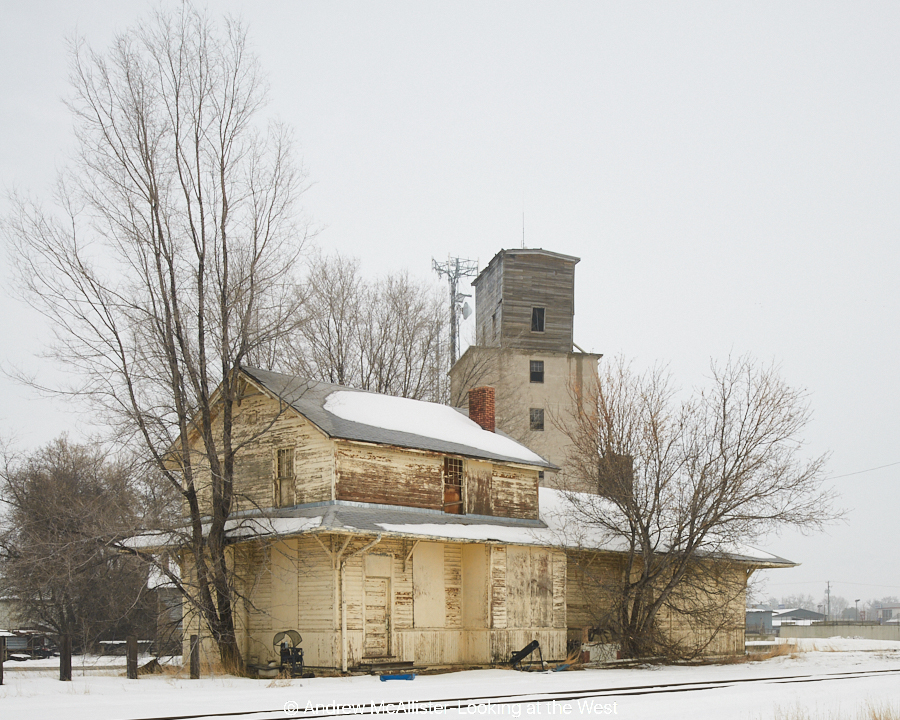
454, 498
537, 319
537, 371
284, 476
536, 418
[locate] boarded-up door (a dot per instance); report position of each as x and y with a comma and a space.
378, 617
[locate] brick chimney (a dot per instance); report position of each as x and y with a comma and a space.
481, 407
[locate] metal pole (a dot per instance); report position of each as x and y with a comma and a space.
454, 329
2, 656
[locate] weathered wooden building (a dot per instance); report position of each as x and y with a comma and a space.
392, 530
386, 529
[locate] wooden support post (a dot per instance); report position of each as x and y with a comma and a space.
195, 657
2, 656
131, 653
65, 658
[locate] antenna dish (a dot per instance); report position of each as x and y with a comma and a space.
466, 311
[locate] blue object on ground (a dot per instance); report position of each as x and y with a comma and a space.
405, 676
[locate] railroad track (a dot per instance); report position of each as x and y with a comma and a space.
465, 704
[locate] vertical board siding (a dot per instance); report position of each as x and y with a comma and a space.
559, 588
498, 587
353, 584
518, 581
475, 573
541, 588
403, 586
453, 585
429, 597
377, 611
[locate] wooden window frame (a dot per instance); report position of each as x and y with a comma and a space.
536, 371
453, 476
538, 319
284, 471
536, 419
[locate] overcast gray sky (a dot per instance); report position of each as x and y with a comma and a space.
728, 173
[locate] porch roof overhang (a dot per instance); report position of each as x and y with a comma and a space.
555, 528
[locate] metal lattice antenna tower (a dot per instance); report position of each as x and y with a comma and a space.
454, 269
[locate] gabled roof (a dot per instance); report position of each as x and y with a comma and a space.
348, 414
798, 613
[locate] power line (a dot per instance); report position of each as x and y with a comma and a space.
860, 472
834, 582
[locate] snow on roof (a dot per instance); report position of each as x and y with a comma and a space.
560, 527
157, 579
236, 527
349, 414
425, 419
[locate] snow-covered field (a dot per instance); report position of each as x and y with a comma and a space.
793, 690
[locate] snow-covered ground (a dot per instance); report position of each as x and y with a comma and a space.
719, 691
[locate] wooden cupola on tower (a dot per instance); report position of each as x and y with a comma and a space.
526, 299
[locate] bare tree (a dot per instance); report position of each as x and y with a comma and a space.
168, 260
679, 485
384, 335
806, 602
64, 507
327, 347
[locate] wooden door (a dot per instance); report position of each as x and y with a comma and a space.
378, 617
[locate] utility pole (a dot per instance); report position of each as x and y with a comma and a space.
454, 269
828, 595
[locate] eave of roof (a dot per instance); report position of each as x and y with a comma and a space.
526, 251
354, 518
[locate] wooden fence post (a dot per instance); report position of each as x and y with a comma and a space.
131, 653
195, 657
65, 658
2, 656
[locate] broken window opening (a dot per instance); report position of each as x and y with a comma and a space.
453, 486
536, 417
537, 319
